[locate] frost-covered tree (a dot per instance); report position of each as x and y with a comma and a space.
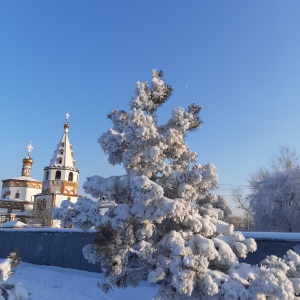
284, 161
275, 202
167, 226
275, 193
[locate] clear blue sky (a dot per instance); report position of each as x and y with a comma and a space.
240, 60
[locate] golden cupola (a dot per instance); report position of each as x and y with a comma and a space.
27, 162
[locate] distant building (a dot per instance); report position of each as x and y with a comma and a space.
24, 197
17, 193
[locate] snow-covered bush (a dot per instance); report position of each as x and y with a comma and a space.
10, 291
168, 227
83, 214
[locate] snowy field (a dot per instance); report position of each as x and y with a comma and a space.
54, 283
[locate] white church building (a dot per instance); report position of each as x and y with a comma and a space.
17, 195
24, 197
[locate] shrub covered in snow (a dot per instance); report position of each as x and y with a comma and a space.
83, 214
10, 291
167, 226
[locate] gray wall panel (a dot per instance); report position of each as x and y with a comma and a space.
41, 249
73, 251
57, 249
33, 248
89, 238
2, 242
8, 244
19, 242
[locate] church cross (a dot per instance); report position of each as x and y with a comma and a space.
29, 148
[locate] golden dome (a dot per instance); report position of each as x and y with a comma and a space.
27, 159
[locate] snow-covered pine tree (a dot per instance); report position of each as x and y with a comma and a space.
167, 225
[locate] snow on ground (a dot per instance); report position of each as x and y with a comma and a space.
55, 283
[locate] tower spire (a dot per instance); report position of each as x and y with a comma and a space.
66, 125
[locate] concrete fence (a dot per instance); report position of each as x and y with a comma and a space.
49, 247
272, 243
63, 247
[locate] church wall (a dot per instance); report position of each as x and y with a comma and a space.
3, 211
30, 192
25, 193
60, 198
4, 192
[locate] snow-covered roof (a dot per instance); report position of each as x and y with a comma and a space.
24, 178
14, 223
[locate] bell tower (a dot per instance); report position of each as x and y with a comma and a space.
60, 180
62, 176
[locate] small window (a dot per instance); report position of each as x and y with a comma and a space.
17, 195
61, 152
59, 160
70, 176
47, 175
57, 174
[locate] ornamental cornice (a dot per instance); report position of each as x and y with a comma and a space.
61, 168
22, 183
14, 204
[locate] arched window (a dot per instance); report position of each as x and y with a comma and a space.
17, 195
70, 176
47, 175
57, 174
59, 160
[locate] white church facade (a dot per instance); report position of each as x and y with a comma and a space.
24, 197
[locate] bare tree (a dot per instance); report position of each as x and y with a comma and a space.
243, 204
285, 160
41, 214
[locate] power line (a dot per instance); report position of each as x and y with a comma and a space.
239, 185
